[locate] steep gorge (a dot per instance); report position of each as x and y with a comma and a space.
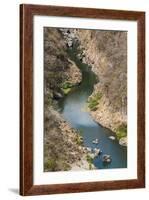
106, 52
62, 144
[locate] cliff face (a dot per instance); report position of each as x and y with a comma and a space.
106, 52
62, 146
58, 69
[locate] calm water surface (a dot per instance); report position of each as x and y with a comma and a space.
73, 109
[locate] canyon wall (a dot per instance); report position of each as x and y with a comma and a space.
63, 148
106, 52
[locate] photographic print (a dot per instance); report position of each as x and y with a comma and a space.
82, 99
85, 99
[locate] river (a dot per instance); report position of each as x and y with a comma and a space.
73, 109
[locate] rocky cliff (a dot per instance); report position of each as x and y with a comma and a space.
106, 52
63, 148
58, 69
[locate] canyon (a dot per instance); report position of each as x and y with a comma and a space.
105, 52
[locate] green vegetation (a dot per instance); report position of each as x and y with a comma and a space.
121, 131
66, 91
66, 87
94, 101
79, 139
90, 161
50, 165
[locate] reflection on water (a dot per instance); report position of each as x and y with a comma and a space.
73, 108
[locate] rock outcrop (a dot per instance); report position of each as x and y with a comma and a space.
62, 151
61, 148
106, 52
58, 69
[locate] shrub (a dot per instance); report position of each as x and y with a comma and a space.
66, 87
89, 159
50, 165
66, 91
94, 101
121, 131
79, 139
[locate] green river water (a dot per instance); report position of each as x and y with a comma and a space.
72, 107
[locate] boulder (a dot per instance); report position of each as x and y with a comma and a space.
89, 149
69, 43
112, 137
106, 158
97, 151
123, 141
96, 141
57, 95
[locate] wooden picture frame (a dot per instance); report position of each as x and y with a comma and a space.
27, 12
